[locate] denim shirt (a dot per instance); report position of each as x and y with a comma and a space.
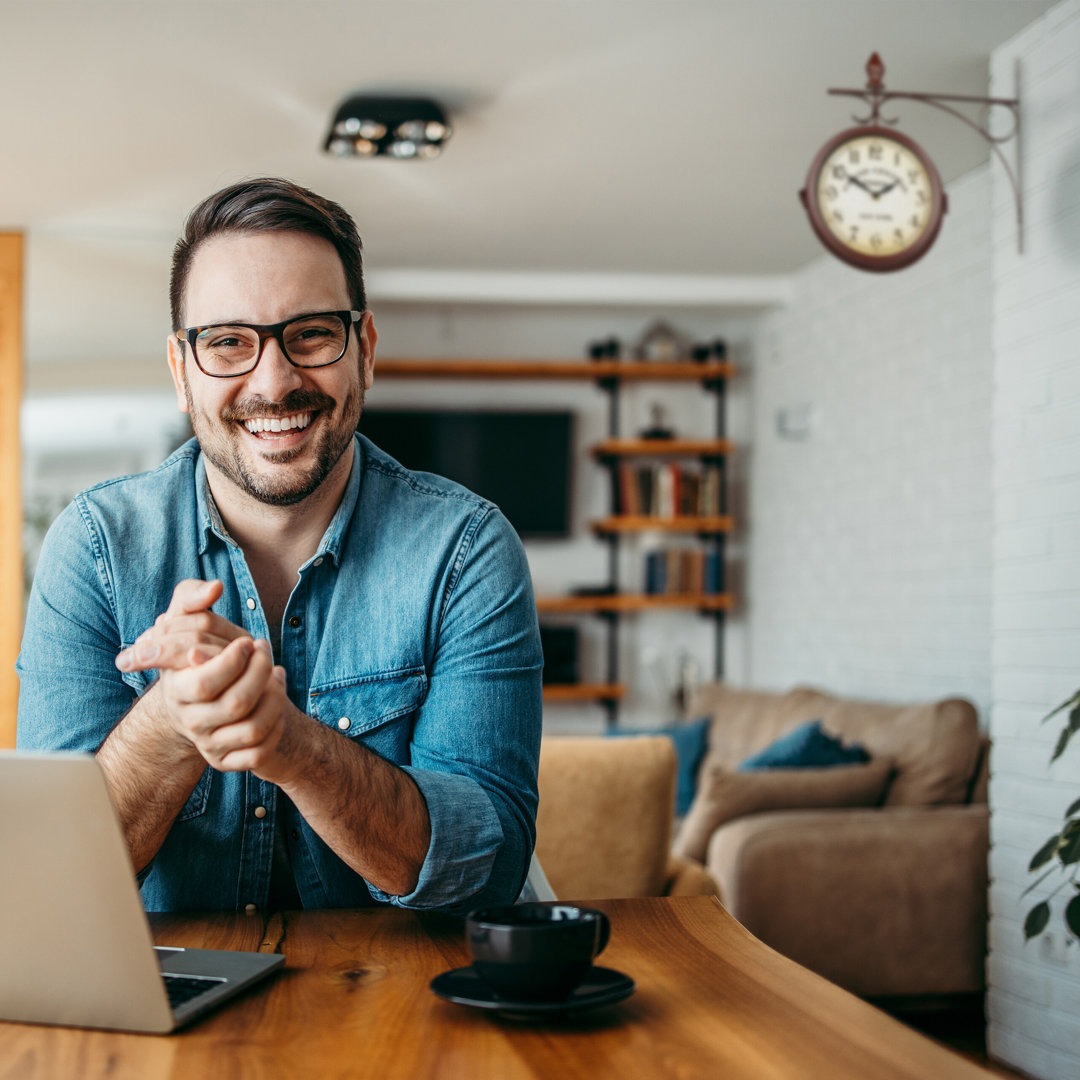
412, 630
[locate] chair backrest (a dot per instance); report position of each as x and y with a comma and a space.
603, 829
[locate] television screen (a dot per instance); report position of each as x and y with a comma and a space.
518, 460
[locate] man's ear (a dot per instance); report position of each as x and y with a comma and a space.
176, 367
367, 336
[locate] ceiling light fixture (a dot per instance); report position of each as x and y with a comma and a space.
401, 127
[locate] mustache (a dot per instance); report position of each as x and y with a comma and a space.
301, 400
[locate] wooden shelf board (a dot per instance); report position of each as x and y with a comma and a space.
663, 448
631, 602
628, 523
629, 370
584, 692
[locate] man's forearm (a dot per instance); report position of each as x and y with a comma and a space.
151, 772
370, 812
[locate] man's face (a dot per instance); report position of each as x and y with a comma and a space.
266, 278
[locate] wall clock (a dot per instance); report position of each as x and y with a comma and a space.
874, 198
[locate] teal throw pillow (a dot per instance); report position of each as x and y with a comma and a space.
690, 740
806, 747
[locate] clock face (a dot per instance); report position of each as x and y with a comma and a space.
874, 198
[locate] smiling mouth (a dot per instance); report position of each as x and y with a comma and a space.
272, 425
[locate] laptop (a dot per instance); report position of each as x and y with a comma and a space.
75, 944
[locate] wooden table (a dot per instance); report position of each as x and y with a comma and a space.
353, 1001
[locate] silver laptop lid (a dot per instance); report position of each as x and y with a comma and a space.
74, 941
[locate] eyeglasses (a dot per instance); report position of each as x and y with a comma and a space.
227, 350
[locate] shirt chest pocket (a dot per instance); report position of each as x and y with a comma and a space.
373, 709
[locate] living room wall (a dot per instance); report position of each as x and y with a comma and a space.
869, 487
1034, 997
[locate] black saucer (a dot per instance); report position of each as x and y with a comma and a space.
601, 986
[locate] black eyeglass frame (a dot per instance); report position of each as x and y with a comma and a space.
266, 331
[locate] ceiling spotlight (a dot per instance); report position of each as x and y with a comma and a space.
400, 127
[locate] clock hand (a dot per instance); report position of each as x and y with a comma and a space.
856, 180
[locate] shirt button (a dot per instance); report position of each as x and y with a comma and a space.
317, 562
251, 603
260, 811
295, 621
250, 909
344, 723
295, 834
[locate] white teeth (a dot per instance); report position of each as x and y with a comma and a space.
284, 423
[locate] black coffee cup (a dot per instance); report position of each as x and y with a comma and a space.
535, 952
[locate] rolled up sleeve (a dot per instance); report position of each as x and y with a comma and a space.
476, 740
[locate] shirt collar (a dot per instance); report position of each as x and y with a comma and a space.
330, 545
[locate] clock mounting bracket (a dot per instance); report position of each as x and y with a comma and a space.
875, 95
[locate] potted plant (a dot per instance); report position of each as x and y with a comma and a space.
1062, 849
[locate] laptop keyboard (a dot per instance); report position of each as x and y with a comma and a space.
182, 990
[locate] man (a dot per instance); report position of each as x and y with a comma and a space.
311, 677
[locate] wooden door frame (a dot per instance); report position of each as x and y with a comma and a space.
11, 559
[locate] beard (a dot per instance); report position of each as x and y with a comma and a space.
289, 480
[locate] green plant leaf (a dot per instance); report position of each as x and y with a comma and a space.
1074, 809
1072, 916
1063, 741
1036, 920
1045, 853
1073, 726
1074, 700
1070, 849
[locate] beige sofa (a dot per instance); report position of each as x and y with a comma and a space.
873, 875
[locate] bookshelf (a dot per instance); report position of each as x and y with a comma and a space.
621, 457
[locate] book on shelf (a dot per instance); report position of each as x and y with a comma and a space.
667, 489
677, 571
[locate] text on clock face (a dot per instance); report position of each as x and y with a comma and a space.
874, 197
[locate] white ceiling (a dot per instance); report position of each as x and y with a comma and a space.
661, 137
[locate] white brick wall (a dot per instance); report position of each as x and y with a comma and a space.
1034, 997
869, 539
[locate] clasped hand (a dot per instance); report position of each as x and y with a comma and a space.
219, 690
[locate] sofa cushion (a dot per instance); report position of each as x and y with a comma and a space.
804, 747
934, 747
724, 795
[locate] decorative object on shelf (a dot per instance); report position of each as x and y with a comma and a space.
605, 349
661, 343
1063, 848
874, 197
368, 125
658, 427
706, 351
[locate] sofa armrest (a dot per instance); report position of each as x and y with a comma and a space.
685, 877
885, 902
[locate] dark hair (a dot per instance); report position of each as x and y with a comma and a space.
268, 204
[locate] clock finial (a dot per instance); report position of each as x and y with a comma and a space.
875, 69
